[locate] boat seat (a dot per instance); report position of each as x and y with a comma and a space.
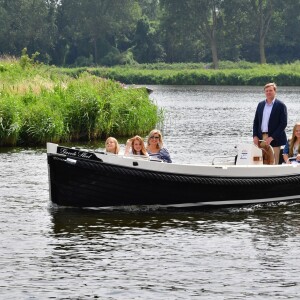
249, 154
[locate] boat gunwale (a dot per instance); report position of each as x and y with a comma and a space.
220, 170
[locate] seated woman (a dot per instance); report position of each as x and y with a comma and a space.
112, 145
135, 146
291, 151
155, 147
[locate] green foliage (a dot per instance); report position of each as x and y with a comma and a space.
85, 33
136, 112
114, 57
41, 124
10, 120
82, 108
3, 68
43, 103
62, 108
26, 61
230, 73
82, 61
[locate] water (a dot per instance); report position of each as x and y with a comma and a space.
205, 121
233, 253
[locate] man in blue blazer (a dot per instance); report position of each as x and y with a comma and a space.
270, 121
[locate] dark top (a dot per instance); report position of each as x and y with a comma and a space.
277, 122
286, 149
162, 154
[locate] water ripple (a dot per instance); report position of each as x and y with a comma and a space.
238, 253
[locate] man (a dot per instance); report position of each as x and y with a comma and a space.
270, 121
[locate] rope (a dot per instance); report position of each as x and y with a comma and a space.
194, 179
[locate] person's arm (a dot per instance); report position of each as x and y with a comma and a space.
256, 126
285, 153
286, 158
256, 140
127, 148
282, 122
165, 155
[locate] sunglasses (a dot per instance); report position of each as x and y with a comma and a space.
154, 137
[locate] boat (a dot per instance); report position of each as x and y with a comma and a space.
81, 177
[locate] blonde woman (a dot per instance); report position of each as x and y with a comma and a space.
135, 146
292, 147
112, 145
155, 147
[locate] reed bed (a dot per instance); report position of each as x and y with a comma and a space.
58, 108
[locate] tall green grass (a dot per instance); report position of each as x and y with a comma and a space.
42, 103
229, 73
10, 120
48, 107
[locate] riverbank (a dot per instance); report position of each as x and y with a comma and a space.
41, 104
229, 73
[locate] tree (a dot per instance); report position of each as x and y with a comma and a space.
194, 23
253, 27
25, 26
177, 31
150, 8
96, 26
284, 32
147, 49
261, 12
209, 22
238, 35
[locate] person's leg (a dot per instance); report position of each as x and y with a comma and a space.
276, 154
268, 153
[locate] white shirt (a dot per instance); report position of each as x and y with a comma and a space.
266, 116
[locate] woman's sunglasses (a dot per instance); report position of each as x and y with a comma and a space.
154, 137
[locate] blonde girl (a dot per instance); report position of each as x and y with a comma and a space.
112, 145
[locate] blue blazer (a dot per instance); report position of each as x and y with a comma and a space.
277, 122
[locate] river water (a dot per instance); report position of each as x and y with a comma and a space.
234, 253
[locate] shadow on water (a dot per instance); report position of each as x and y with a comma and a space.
279, 219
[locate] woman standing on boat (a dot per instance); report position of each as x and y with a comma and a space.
155, 147
292, 147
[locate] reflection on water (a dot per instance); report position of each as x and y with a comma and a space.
73, 220
231, 253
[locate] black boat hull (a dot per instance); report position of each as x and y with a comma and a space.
82, 182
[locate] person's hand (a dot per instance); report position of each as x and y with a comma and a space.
298, 157
269, 140
127, 147
128, 143
256, 141
286, 158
